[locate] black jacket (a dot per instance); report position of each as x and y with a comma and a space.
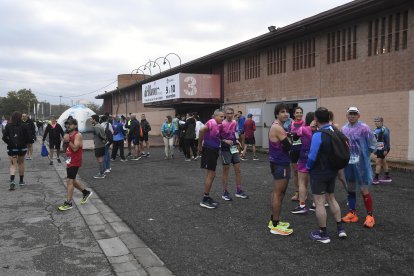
189, 127
134, 129
55, 134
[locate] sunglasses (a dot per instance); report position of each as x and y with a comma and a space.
353, 113
229, 113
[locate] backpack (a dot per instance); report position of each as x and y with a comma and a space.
339, 157
16, 139
109, 135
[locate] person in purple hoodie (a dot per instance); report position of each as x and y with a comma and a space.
209, 146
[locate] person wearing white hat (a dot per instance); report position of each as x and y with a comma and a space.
358, 172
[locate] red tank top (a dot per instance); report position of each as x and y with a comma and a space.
74, 158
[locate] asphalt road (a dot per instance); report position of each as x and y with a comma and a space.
159, 200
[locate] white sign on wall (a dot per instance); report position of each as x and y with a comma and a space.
160, 90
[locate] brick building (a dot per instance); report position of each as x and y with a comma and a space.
360, 53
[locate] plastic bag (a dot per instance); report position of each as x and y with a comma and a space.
44, 152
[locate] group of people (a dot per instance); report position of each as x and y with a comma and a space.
316, 150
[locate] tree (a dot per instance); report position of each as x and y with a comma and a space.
94, 107
18, 101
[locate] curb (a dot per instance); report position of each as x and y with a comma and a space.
125, 251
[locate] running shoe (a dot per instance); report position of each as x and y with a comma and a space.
85, 197
12, 186
386, 179
196, 158
369, 221
65, 206
208, 203
280, 230
375, 181
107, 170
148, 154
59, 160
27, 158
51, 163
326, 204
281, 223
295, 197
22, 183
129, 154
320, 237
242, 157
113, 159
142, 153
312, 207
226, 196
255, 158
300, 210
123, 160
135, 158
241, 194
99, 176
188, 159
350, 217
342, 233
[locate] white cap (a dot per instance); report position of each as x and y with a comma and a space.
353, 109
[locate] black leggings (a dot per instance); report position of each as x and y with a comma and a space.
189, 143
115, 146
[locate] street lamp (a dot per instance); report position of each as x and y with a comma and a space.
138, 72
172, 54
164, 59
145, 67
150, 61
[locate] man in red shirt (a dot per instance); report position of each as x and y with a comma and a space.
249, 129
74, 141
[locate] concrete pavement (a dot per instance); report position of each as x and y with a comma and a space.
90, 239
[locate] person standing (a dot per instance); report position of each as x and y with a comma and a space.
323, 177
74, 140
176, 121
249, 129
146, 128
55, 132
295, 126
382, 134
230, 155
32, 135
107, 126
134, 136
168, 133
279, 146
119, 136
189, 137
358, 172
99, 141
209, 146
240, 131
16, 136
199, 125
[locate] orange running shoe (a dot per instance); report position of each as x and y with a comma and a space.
369, 221
350, 217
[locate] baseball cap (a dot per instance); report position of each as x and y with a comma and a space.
353, 109
249, 115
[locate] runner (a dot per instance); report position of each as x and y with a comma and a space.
382, 134
189, 137
230, 154
305, 134
119, 136
176, 134
74, 150
341, 173
16, 136
279, 146
240, 130
199, 125
134, 136
146, 128
295, 126
323, 177
32, 135
55, 132
249, 129
99, 141
358, 173
107, 126
209, 145
168, 133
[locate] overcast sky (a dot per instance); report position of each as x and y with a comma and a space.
69, 48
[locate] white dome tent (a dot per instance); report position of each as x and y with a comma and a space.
81, 113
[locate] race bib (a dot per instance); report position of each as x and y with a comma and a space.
233, 149
354, 159
237, 135
68, 160
297, 142
380, 145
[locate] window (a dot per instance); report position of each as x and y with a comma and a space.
276, 61
252, 67
382, 32
304, 54
341, 45
233, 71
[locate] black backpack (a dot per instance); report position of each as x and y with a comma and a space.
339, 157
16, 138
108, 134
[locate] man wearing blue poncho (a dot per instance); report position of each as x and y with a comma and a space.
358, 172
